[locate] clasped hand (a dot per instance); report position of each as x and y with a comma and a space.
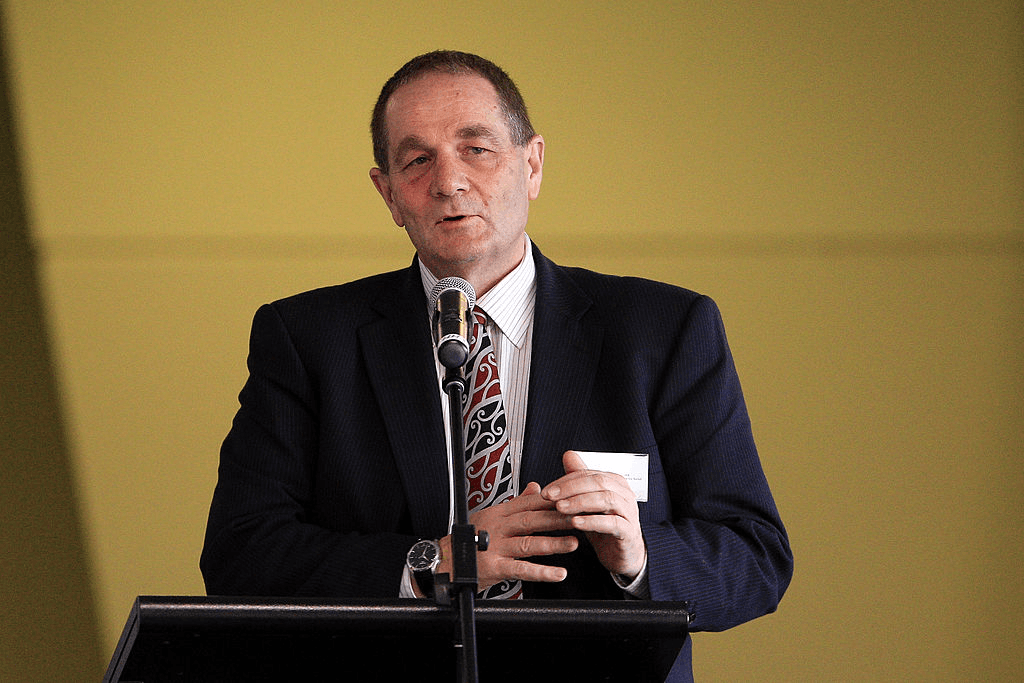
600, 504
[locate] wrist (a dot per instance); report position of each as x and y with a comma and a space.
445, 564
422, 561
635, 585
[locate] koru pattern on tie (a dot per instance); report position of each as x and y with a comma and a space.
488, 459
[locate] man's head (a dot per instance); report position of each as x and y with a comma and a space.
455, 176
451, 62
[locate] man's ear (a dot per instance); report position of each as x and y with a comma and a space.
535, 161
382, 182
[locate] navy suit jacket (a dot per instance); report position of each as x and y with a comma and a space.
335, 463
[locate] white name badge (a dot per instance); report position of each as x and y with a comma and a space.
631, 466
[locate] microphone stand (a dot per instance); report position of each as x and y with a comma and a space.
460, 589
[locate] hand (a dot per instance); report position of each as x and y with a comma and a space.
511, 527
602, 505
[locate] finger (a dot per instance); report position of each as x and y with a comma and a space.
587, 481
521, 569
529, 571
612, 526
575, 468
580, 479
536, 521
503, 561
529, 499
518, 547
573, 462
598, 502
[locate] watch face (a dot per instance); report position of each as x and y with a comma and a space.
422, 556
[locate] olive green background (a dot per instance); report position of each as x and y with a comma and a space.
845, 179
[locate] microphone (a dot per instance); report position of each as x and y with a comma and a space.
452, 299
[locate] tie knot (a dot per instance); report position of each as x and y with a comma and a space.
479, 326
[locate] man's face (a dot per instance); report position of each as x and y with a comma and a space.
457, 183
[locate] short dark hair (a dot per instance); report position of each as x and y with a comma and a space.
451, 62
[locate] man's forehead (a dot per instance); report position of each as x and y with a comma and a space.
430, 94
431, 89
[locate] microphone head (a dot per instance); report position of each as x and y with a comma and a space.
452, 300
453, 283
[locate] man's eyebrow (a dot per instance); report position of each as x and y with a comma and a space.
479, 131
408, 142
471, 132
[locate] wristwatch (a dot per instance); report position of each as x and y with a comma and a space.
422, 560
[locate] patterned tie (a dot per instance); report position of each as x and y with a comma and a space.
488, 459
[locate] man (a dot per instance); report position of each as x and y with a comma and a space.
334, 467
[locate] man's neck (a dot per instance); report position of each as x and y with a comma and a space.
482, 276
430, 278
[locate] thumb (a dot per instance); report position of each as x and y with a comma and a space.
572, 462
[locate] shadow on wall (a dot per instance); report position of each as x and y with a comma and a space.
50, 628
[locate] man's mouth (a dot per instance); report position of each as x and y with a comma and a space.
454, 219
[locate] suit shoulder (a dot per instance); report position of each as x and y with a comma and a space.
612, 292
348, 298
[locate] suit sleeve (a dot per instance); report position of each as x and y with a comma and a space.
720, 544
264, 535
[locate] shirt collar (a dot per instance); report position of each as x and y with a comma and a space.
509, 303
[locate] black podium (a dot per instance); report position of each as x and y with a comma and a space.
202, 640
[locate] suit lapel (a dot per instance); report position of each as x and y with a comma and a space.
398, 354
566, 348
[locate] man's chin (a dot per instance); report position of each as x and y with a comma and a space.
451, 263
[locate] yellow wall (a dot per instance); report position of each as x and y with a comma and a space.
846, 179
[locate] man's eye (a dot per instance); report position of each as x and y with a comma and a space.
477, 150
418, 161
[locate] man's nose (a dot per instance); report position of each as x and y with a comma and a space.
449, 177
